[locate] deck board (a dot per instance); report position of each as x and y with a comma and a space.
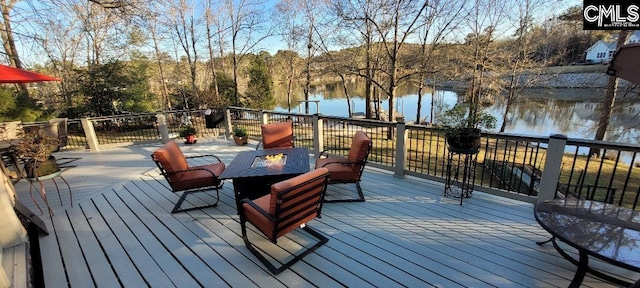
406, 234
151, 242
136, 251
120, 260
98, 264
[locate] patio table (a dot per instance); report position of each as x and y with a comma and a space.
252, 177
605, 231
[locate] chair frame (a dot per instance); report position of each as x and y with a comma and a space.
276, 220
362, 164
186, 192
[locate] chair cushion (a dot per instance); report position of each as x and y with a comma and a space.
359, 146
196, 177
338, 171
171, 157
277, 135
256, 218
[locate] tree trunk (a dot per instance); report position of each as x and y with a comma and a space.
307, 84
346, 94
165, 90
609, 102
6, 31
216, 95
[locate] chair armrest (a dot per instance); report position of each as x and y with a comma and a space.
206, 155
325, 151
259, 209
193, 169
343, 163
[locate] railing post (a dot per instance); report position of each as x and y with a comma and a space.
552, 167
264, 117
227, 123
318, 141
161, 119
90, 134
401, 149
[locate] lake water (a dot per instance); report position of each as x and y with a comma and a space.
573, 112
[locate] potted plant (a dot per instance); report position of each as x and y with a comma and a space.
35, 150
188, 132
463, 123
240, 136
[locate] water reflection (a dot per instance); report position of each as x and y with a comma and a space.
539, 112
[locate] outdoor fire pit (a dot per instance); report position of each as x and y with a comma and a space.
269, 161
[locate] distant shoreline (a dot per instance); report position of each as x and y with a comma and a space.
562, 80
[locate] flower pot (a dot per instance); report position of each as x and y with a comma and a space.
190, 139
463, 138
39, 169
241, 140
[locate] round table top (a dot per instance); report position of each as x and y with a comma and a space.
606, 231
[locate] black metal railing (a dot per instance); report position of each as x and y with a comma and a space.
338, 133
249, 119
426, 151
125, 128
601, 171
507, 163
511, 162
76, 138
176, 120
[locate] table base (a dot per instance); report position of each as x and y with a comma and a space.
582, 263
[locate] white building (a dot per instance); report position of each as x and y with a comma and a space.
602, 51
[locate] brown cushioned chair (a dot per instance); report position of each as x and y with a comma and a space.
277, 135
347, 169
291, 204
183, 178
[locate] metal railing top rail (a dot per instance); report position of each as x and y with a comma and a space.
515, 136
603, 144
366, 121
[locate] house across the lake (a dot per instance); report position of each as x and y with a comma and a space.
602, 51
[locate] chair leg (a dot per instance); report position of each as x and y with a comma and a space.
359, 199
177, 209
321, 240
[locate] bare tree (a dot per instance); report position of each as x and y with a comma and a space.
247, 30
290, 28
355, 16
518, 56
609, 100
152, 26
438, 22
210, 20
393, 23
483, 26
186, 27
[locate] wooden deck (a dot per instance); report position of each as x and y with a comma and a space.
119, 232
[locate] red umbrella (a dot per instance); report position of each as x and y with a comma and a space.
14, 75
626, 63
